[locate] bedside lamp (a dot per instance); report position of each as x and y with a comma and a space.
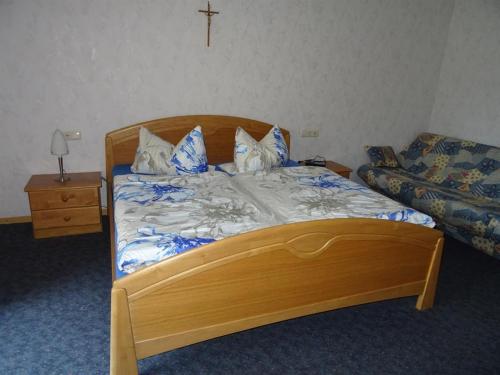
59, 147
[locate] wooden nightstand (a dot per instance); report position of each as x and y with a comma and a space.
339, 169
60, 209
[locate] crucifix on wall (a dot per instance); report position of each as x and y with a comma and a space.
209, 13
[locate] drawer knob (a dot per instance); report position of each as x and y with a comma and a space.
66, 197
67, 218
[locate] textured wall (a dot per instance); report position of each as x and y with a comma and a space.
361, 71
468, 95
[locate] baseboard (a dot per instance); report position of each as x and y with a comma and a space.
15, 220
27, 219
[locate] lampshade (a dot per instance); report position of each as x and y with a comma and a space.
59, 146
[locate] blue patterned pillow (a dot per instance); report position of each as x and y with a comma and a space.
157, 156
189, 155
251, 156
275, 142
382, 156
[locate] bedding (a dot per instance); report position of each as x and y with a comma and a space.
161, 216
229, 168
251, 155
157, 156
121, 169
312, 193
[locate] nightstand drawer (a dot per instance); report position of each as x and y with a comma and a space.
66, 217
43, 200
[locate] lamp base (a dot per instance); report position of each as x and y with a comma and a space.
62, 177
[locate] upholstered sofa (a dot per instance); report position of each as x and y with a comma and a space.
455, 181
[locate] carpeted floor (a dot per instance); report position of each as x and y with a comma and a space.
54, 319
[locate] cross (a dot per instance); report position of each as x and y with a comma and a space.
209, 13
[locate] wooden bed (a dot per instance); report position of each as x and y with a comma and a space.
259, 277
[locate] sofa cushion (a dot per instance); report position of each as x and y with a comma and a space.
454, 163
417, 151
477, 215
470, 218
486, 244
382, 156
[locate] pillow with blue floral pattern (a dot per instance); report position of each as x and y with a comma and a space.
382, 156
251, 155
154, 155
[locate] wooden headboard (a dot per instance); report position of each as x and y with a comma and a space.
218, 133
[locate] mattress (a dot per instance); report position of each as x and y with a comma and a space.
157, 217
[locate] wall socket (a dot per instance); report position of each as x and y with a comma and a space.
73, 135
310, 133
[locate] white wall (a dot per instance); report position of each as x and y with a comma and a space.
363, 72
468, 95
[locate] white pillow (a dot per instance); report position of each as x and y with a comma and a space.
275, 142
251, 156
157, 156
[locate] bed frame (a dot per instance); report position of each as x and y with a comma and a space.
260, 277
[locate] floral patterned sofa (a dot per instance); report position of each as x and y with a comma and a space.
455, 181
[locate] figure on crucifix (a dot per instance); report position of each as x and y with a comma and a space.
209, 13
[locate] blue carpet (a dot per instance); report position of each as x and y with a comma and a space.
54, 319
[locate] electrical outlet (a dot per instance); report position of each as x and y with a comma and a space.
310, 133
73, 135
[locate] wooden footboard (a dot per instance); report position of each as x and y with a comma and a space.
268, 276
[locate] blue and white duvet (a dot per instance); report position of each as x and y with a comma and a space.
312, 193
160, 216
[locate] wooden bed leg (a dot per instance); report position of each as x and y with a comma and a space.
123, 360
426, 298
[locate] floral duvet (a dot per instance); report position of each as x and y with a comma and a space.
160, 216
